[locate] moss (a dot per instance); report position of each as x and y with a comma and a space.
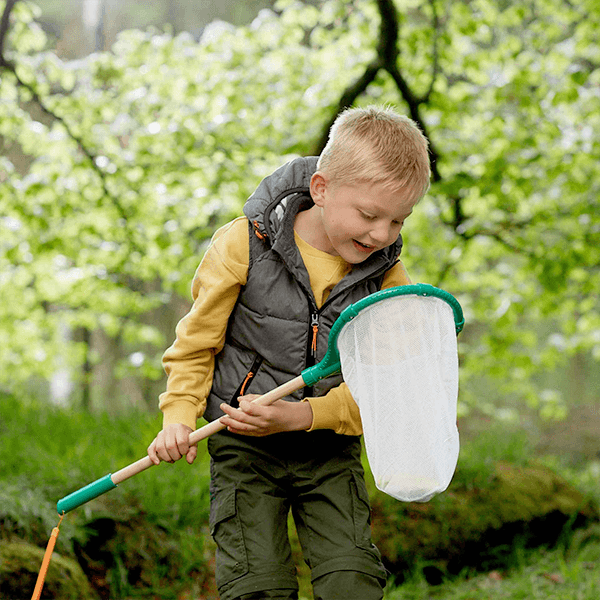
478, 527
20, 563
123, 556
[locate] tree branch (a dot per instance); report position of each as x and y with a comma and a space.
348, 97
387, 59
4, 29
414, 103
387, 54
434, 53
389, 32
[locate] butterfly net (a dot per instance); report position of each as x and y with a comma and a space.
399, 358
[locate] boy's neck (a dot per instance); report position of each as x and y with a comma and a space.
309, 226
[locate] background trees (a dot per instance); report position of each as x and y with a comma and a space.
135, 156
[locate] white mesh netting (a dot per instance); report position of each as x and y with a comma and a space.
399, 358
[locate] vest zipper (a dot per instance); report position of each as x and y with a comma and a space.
247, 380
311, 357
311, 353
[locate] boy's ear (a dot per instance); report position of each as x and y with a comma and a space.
318, 185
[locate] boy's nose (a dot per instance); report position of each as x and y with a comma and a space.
380, 233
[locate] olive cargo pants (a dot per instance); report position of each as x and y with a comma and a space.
318, 475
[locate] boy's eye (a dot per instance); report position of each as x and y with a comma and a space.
366, 216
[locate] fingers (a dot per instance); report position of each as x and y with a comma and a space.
248, 407
171, 444
175, 445
250, 418
236, 420
152, 452
248, 398
246, 413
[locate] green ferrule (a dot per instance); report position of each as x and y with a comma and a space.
85, 494
318, 372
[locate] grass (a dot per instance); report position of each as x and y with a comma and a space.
55, 452
46, 453
564, 573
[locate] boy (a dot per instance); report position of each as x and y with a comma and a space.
317, 235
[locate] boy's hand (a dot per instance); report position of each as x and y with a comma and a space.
256, 420
171, 444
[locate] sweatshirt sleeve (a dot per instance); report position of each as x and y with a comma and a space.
189, 362
396, 276
337, 409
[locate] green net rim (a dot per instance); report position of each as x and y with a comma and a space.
331, 361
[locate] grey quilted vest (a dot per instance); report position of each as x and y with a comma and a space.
276, 330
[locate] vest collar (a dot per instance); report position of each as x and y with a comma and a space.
266, 206
272, 210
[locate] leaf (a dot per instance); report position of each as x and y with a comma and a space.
161, 139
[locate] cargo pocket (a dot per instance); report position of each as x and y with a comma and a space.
361, 512
226, 530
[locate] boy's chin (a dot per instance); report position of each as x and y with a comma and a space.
355, 257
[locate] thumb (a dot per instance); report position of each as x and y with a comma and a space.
191, 455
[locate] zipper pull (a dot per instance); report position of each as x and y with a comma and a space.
248, 378
314, 321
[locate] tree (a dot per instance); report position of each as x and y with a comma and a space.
144, 150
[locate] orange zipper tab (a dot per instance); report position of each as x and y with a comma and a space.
248, 378
259, 235
315, 328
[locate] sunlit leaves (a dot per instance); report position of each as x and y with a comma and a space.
161, 139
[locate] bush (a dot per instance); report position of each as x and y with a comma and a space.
480, 521
149, 536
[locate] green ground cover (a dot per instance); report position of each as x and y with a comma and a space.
568, 572
149, 539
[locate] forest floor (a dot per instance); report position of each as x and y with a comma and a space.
567, 572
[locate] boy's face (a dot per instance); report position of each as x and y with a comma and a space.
357, 220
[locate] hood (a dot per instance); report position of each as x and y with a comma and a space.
269, 201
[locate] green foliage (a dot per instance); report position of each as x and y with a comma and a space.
157, 142
564, 573
150, 533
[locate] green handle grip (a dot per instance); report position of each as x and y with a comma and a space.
85, 494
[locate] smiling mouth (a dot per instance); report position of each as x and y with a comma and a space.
363, 247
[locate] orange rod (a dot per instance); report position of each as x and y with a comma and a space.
37, 592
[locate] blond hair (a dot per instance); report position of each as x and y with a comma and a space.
376, 145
